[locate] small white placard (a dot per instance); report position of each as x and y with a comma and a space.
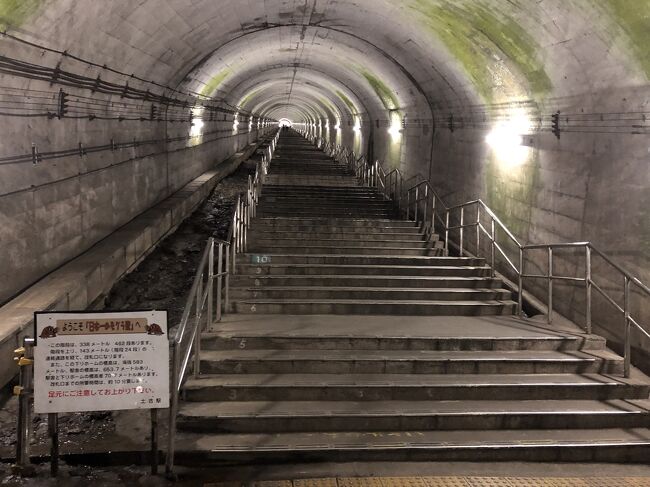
94, 361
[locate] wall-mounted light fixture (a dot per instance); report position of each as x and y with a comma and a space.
395, 127
507, 136
357, 124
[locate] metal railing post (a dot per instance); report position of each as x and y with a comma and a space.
376, 174
447, 232
173, 410
478, 229
588, 289
417, 196
627, 357
240, 223
550, 286
245, 228
462, 225
520, 284
493, 238
408, 205
433, 214
196, 346
233, 268
210, 284
426, 203
219, 280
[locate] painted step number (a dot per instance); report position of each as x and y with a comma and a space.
261, 259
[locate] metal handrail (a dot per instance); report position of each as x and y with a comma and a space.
392, 184
199, 311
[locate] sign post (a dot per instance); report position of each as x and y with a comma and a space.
98, 361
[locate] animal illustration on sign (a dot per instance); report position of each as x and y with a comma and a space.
49, 332
154, 329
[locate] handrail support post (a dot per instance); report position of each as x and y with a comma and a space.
550, 286
627, 356
462, 225
588, 287
520, 284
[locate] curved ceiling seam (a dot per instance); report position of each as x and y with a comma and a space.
313, 104
308, 106
385, 54
340, 108
358, 98
271, 87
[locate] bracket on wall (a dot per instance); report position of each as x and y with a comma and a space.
555, 124
36, 157
63, 104
450, 123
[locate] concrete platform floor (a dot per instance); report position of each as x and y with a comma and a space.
391, 326
446, 482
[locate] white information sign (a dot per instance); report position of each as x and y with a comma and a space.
95, 361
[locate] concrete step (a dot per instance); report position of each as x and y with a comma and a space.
251, 361
289, 305
307, 180
410, 282
332, 214
376, 332
324, 202
368, 270
342, 182
411, 250
331, 228
333, 209
559, 445
310, 241
297, 152
411, 387
309, 163
283, 165
310, 170
293, 153
230, 341
324, 232
319, 190
340, 416
368, 293
357, 201
351, 259
318, 234
323, 221
327, 208
330, 211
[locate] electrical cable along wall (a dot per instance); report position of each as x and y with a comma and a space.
82, 155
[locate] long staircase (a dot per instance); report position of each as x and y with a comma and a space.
354, 337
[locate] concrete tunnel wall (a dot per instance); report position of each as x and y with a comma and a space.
443, 75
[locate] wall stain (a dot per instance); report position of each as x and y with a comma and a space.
14, 13
480, 37
384, 93
347, 101
633, 16
244, 101
216, 81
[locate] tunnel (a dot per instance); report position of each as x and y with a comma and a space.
114, 115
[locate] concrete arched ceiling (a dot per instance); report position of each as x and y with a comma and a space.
447, 54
